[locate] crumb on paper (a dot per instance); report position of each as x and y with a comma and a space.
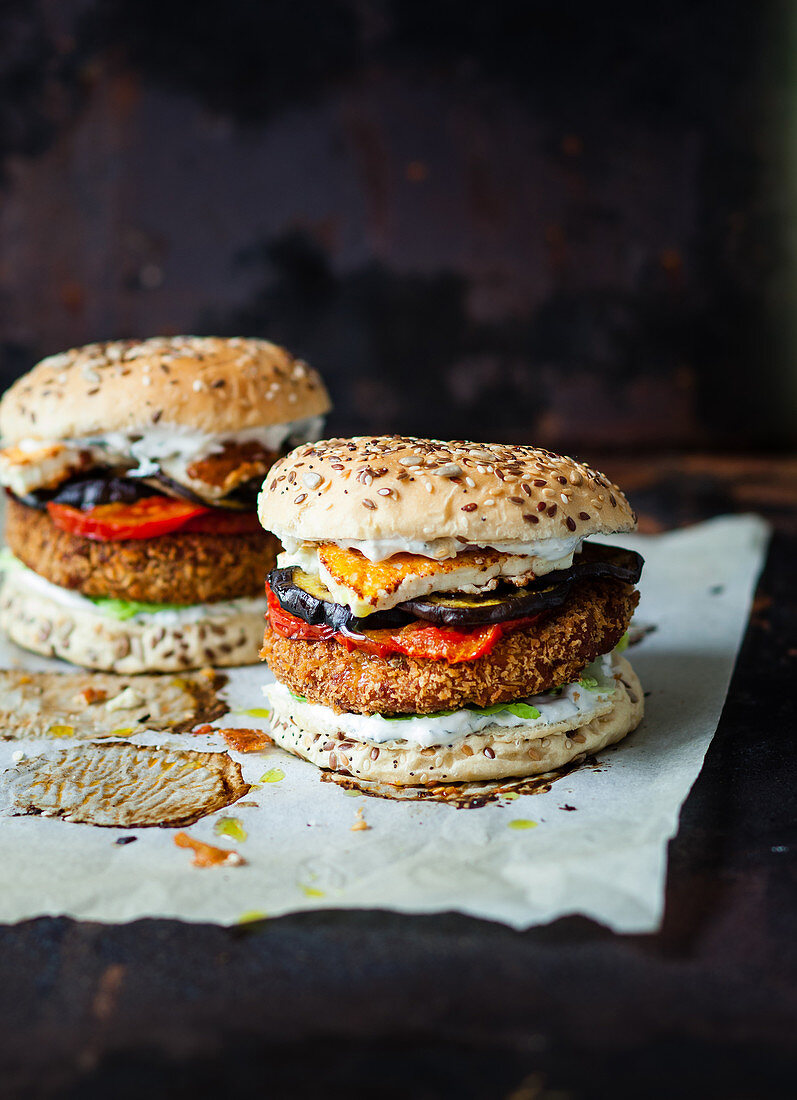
208, 855
127, 699
246, 740
91, 695
360, 825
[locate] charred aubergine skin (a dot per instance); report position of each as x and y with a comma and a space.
303, 596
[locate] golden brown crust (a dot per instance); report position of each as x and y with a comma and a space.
169, 569
525, 662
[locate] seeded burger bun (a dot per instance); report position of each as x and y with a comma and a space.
395, 487
208, 383
46, 626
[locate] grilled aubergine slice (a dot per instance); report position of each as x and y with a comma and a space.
309, 599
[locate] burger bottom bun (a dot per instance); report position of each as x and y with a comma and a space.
513, 752
94, 641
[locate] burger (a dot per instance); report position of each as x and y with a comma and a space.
131, 471
439, 614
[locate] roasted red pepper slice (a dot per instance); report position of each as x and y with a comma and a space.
149, 517
417, 639
143, 519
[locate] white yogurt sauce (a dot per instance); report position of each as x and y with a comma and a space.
192, 613
158, 443
546, 550
576, 705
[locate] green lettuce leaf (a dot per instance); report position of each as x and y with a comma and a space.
126, 609
520, 710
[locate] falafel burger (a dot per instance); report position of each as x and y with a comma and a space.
131, 471
439, 614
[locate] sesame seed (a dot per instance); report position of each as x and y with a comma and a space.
384, 492
146, 380
470, 482
312, 481
197, 385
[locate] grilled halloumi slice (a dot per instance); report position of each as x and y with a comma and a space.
367, 586
24, 469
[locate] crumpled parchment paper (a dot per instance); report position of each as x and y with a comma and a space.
595, 844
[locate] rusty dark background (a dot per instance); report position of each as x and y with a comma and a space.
524, 219
568, 222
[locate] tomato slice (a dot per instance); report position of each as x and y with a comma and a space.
417, 639
143, 519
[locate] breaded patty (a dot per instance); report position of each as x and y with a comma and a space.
187, 568
550, 652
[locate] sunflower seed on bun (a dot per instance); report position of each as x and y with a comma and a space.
133, 467
438, 615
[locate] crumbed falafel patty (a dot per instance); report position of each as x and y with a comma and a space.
527, 661
184, 569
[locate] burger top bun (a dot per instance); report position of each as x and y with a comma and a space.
385, 487
209, 383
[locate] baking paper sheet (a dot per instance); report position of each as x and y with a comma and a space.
523, 861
